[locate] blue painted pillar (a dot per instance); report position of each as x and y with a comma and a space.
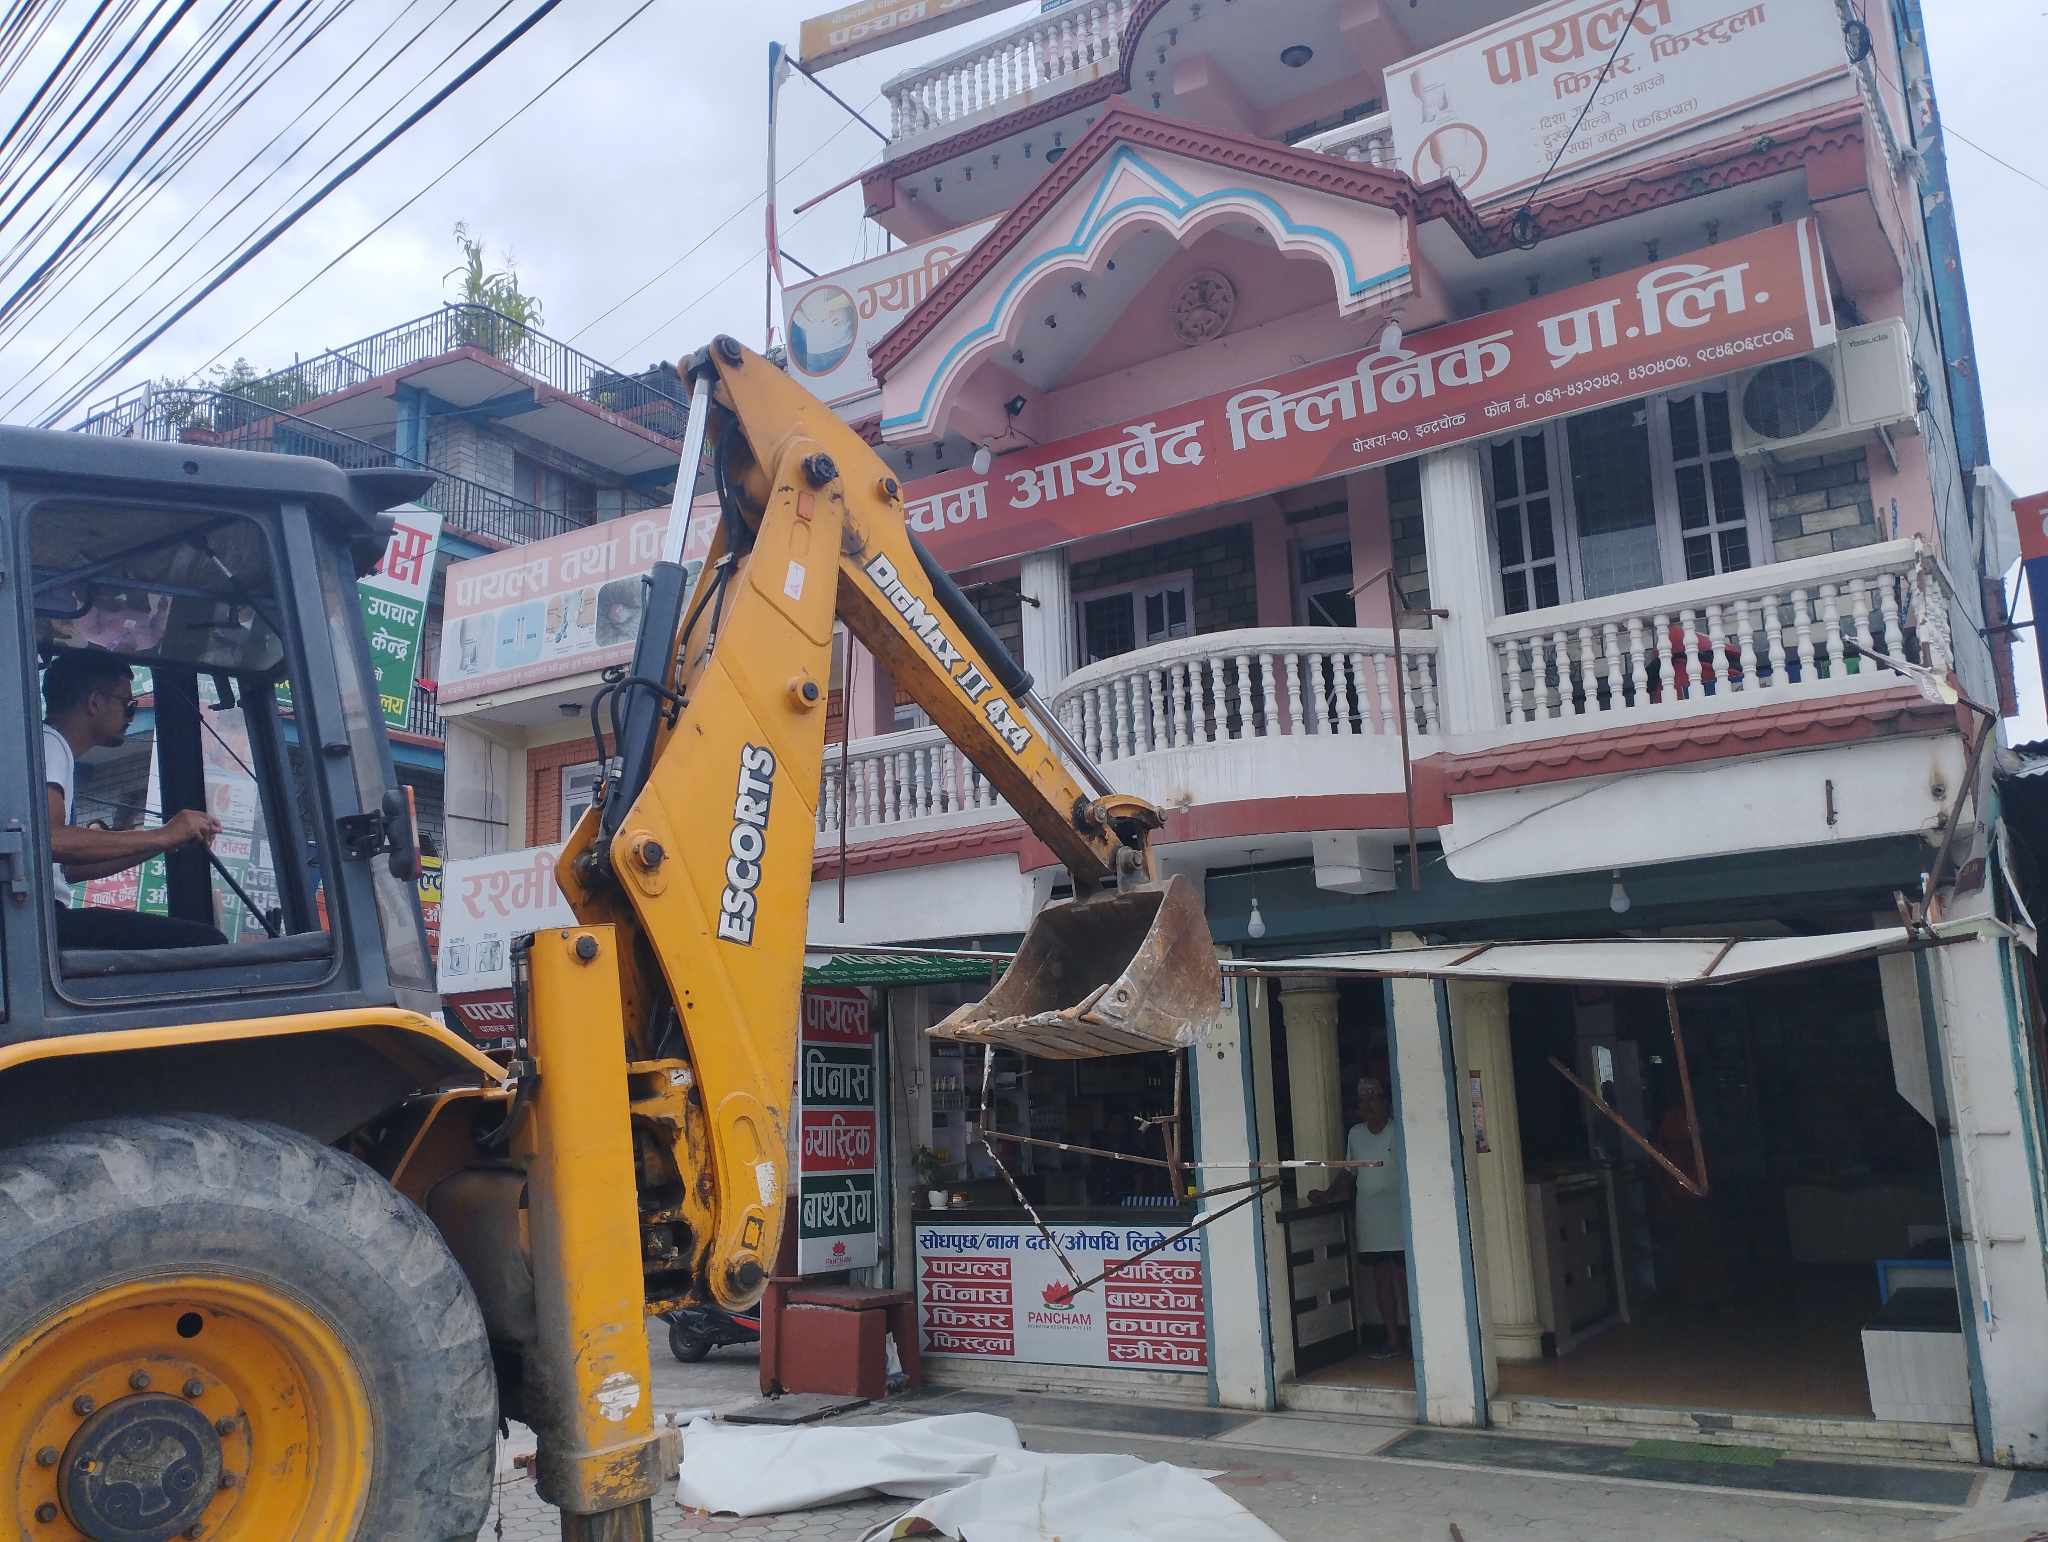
412, 423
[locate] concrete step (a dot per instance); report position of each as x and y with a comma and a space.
1336, 1398
1790, 1432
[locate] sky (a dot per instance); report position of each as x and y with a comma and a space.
650, 146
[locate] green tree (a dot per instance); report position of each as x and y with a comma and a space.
483, 291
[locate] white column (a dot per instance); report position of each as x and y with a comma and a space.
483, 806
1315, 1093
1984, 1088
1234, 1249
1500, 1206
1443, 1294
1049, 624
1461, 581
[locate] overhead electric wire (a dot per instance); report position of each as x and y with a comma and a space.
104, 154
137, 292
140, 295
715, 229
184, 105
71, 49
99, 112
24, 147
1565, 144
181, 154
434, 181
250, 253
29, 51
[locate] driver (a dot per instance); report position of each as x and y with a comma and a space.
88, 701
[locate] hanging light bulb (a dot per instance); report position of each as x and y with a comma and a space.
1617, 897
1255, 928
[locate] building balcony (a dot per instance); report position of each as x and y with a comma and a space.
237, 422
1783, 633
423, 712
1234, 717
1223, 731
1049, 54
464, 361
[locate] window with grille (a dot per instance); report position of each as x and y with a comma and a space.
1713, 505
1525, 524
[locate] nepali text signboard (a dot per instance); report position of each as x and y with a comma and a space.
999, 1293
487, 902
565, 606
1491, 110
1731, 306
833, 321
868, 25
394, 599
839, 1136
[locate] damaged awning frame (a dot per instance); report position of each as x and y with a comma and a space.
1659, 963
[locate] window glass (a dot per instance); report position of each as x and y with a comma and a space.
1108, 627
1615, 499
579, 791
1713, 512
1322, 578
1524, 523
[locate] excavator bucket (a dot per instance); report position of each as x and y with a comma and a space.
1114, 974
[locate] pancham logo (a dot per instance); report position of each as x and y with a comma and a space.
972, 682
747, 844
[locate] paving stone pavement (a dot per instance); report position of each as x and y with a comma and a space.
1310, 1478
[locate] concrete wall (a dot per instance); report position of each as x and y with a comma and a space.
1821, 503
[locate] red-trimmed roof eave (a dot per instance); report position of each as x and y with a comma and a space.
1684, 741
1123, 125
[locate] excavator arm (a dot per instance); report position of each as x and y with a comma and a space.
691, 880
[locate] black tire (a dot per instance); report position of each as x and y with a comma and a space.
688, 1344
102, 1203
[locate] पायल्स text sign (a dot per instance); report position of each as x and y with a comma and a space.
1493, 109
838, 1147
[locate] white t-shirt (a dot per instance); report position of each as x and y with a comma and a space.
1376, 1190
62, 770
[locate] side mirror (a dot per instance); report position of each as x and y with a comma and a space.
399, 837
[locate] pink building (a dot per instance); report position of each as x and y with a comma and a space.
1490, 473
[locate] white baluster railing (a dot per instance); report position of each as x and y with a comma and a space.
901, 779
1272, 682
1369, 141
1085, 36
1742, 639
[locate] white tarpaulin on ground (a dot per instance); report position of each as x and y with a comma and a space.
971, 1470
1658, 962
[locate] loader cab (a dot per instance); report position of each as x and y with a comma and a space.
219, 587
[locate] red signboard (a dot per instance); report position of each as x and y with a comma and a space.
1731, 306
837, 1014
838, 1140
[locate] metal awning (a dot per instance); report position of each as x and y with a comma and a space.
1656, 963
899, 966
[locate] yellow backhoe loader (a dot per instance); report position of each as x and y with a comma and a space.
278, 1250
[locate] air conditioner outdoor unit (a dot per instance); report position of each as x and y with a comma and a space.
1831, 398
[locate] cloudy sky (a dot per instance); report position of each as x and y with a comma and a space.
650, 148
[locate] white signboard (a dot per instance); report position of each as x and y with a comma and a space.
999, 1293
1491, 109
839, 1148
485, 903
832, 322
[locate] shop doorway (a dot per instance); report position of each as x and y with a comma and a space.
1813, 1279
1342, 1266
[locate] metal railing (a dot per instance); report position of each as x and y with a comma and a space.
1083, 37
228, 421
649, 399
423, 712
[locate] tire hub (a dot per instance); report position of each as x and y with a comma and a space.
141, 1469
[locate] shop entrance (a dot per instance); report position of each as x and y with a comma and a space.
1344, 1242
1814, 1278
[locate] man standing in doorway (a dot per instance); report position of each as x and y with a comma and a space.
1374, 1185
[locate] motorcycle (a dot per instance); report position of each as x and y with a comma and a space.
694, 1331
